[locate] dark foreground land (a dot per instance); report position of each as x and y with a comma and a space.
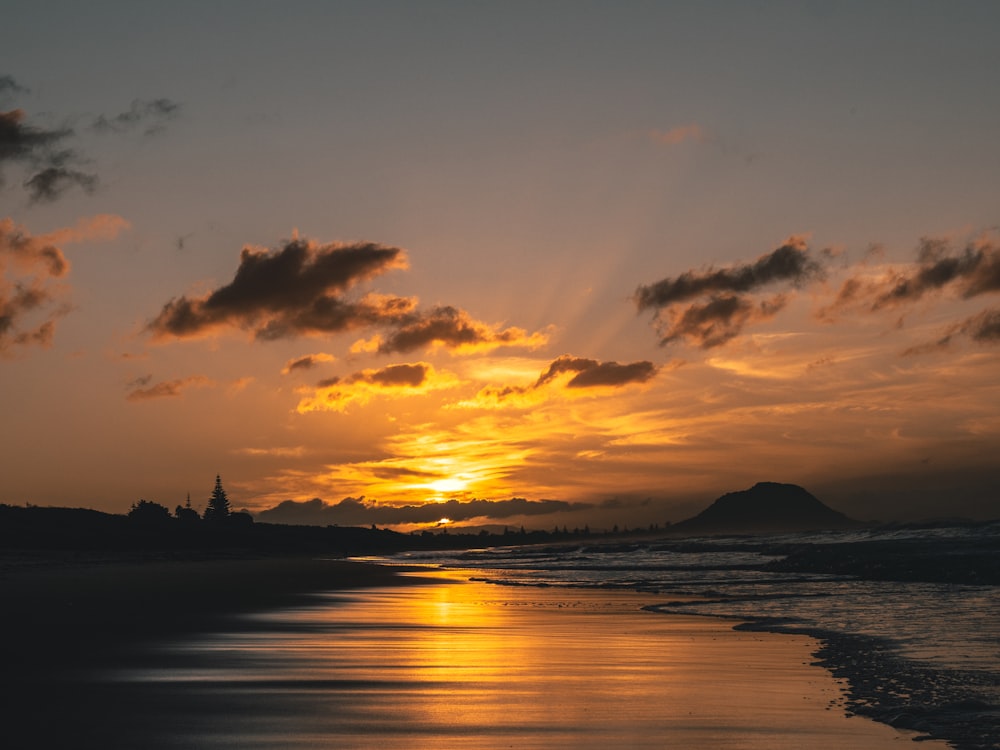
66, 621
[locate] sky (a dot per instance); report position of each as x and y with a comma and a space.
540, 264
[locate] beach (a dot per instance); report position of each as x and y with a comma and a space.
239, 653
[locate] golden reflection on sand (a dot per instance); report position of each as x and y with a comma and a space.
469, 665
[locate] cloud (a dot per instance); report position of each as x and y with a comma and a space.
52, 182
679, 134
983, 328
293, 290
359, 512
589, 373
973, 271
148, 114
454, 329
393, 381
303, 288
50, 163
31, 268
712, 306
9, 86
306, 362
52, 166
575, 373
939, 270
165, 388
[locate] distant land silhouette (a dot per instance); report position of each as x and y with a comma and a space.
766, 507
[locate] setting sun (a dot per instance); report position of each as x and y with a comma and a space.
448, 486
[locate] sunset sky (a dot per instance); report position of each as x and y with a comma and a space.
578, 262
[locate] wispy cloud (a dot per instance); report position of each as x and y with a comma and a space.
711, 306
679, 134
142, 391
10, 87
148, 115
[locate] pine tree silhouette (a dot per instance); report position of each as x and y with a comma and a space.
218, 504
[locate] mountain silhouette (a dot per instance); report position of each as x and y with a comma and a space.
766, 507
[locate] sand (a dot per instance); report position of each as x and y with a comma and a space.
381, 663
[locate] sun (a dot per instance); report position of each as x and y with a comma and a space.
448, 485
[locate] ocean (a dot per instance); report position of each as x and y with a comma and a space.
907, 617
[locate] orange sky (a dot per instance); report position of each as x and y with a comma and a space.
525, 267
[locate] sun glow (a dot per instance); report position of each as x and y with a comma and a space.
448, 485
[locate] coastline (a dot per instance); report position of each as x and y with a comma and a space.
538, 667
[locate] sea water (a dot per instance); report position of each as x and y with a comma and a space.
918, 654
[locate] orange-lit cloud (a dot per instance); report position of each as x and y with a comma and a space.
710, 307
679, 134
393, 381
29, 267
142, 391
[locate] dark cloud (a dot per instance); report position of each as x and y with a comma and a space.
303, 288
451, 328
148, 114
165, 388
358, 512
587, 373
393, 381
720, 319
983, 328
590, 373
51, 165
967, 273
10, 87
22, 142
410, 375
973, 271
939, 270
307, 362
293, 290
52, 182
710, 307
790, 262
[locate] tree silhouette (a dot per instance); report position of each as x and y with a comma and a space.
148, 513
218, 504
186, 514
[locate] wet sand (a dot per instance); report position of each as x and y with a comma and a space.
441, 665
